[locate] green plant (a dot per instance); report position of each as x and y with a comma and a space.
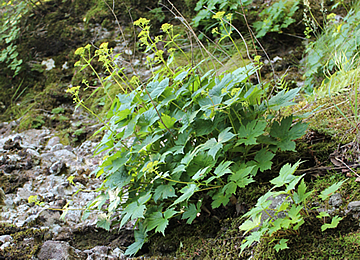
57, 110
345, 81
339, 36
181, 137
37, 122
206, 9
276, 17
79, 132
12, 11
288, 215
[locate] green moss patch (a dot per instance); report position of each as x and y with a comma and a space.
26, 242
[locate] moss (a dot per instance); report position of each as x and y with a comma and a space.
11, 182
26, 242
311, 243
89, 237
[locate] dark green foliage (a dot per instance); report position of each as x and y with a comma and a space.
189, 136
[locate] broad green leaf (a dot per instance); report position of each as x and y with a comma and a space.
223, 168
104, 221
163, 192
282, 245
299, 224
134, 248
283, 99
284, 133
156, 88
300, 196
131, 212
179, 168
250, 132
181, 75
203, 127
200, 174
144, 198
277, 225
262, 204
241, 177
169, 213
118, 162
253, 237
191, 213
334, 223
225, 135
294, 213
201, 161
230, 188
187, 191
168, 121
220, 198
148, 118
293, 183
145, 144
214, 150
331, 190
208, 144
188, 158
323, 214
140, 238
212, 145
250, 224
285, 175
157, 220
264, 157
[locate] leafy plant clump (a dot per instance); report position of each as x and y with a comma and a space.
276, 17
289, 214
182, 137
334, 53
10, 17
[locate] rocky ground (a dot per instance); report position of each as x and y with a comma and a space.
34, 171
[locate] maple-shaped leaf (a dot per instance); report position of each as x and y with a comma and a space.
250, 132
230, 188
281, 245
225, 135
132, 211
148, 118
191, 213
334, 223
214, 150
263, 158
251, 223
159, 220
140, 238
285, 175
200, 174
285, 134
223, 168
220, 198
156, 219
187, 191
164, 192
241, 177
104, 221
